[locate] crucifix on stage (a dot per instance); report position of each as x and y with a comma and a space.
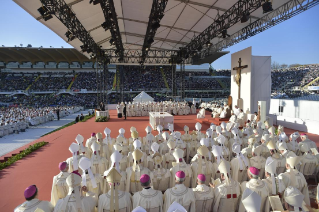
238, 75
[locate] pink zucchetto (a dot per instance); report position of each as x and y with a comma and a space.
144, 178
62, 165
77, 172
254, 170
30, 191
180, 174
201, 177
92, 134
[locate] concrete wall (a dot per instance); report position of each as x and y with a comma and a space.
300, 115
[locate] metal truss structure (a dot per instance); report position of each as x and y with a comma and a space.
111, 24
182, 77
101, 83
283, 13
156, 15
155, 57
64, 13
200, 46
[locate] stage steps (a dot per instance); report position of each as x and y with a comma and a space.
208, 121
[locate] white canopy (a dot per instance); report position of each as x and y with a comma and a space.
143, 97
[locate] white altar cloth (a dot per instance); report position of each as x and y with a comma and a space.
160, 118
102, 113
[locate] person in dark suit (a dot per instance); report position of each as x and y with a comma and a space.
81, 117
102, 107
124, 111
58, 113
77, 119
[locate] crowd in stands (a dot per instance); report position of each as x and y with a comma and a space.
10, 82
17, 119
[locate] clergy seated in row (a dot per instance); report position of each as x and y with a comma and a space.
32, 202
59, 187
306, 140
257, 185
216, 112
201, 113
180, 193
74, 201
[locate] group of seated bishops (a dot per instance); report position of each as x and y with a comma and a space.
249, 169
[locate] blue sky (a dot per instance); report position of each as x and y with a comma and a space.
293, 41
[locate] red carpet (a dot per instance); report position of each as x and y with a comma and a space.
40, 167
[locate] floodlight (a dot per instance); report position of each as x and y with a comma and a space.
267, 7
45, 13
245, 17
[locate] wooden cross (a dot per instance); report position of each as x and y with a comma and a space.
238, 75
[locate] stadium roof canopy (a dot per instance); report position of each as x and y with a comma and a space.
183, 23
33, 55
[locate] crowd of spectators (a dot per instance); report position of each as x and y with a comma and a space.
12, 82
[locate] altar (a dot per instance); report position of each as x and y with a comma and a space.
160, 118
101, 113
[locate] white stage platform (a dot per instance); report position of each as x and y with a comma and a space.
160, 118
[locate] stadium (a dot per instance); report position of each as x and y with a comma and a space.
136, 114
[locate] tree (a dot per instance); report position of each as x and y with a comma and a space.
294, 65
275, 65
283, 66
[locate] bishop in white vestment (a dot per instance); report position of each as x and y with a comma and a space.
59, 187
180, 193
204, 195
148, 198
32, 202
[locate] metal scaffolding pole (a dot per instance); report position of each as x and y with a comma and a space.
182, 75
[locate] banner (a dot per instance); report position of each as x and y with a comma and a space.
313, 88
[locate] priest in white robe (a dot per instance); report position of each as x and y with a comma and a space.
280, 160
294, 199
258, 161
239, 164
180, 193
148, 140
180, 165
93, 182
148, 198
73, 162
163, 145
32, 202
309, 162
108, 140
285, 152
202, 166
168, 158
257, 185
114, 199
306, 140
59, 187
135, 172
292, 177
99, 164
161, 176
204, 195
74, 201
274, 184
227, 194
251, 200
84, 151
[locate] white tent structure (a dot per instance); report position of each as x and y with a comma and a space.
143, 97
